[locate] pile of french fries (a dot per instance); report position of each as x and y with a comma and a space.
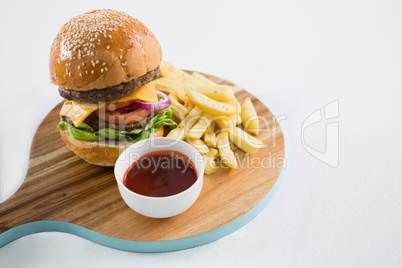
208, 116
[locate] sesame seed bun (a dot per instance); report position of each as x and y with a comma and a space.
102, 48
100, 153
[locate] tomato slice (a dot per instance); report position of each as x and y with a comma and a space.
122, 117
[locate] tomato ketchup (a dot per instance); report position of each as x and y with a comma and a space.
160, 173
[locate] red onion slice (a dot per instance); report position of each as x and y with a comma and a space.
163, 104
126, 108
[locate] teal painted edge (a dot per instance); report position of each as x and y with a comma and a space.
139, 246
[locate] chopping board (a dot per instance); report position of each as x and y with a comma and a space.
63, 193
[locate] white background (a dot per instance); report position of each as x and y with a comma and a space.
296, 56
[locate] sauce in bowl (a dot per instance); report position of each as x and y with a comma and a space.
160, 173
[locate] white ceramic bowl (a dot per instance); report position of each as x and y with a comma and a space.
159, 207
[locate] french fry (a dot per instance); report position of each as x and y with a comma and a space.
210, 139
211, 127
203, 79
249, 116
200, 127
212, 152
199, 145
209, 105
170, 71
225, 122
165, 68
188, 104
212, 89
210, 136
199, 104
210, 166
236, 118
226, 154
219, 92
173, 96
178, 109
180, 132
171, 86
244, 141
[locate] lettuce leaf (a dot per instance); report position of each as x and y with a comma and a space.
86, 133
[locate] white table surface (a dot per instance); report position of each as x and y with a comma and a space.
297, 57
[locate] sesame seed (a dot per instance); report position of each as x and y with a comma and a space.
86, 71
121, 50
69, 74
79, 67
103, 64
92, 72
80, 74
101, 70
124, 64
82, 33
97, 61
58, 60
120, 57
106, 69
129, 37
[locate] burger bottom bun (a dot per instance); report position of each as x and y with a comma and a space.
100, 153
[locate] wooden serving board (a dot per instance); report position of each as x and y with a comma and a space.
61, 188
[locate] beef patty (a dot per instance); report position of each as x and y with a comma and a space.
109, 93
96, 123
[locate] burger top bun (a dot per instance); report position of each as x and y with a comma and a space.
102, 48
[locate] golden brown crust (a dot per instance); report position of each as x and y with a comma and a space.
102, 48
99, 153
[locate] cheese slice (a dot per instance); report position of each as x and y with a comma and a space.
78, 111
146, 93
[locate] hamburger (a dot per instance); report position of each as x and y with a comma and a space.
104, 62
